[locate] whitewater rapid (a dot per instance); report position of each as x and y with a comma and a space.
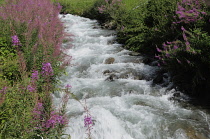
122, 104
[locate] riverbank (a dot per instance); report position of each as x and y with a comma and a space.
116, 87
31, 35
175, 34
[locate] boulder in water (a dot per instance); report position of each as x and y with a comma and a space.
111, 78
109, 60
106, 72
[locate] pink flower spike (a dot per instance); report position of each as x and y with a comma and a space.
158, 49
175, 47
68, 86
183, 29
178, 61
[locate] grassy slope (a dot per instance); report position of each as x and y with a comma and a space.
78, 7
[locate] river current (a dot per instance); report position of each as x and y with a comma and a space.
118, 90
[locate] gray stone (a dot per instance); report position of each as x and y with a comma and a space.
106, 72
111, 78
158, 79
109, 60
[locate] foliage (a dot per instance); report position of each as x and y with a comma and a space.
187, 57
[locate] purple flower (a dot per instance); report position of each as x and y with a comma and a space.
167, 55
15, 41
158, 49
35, 75
158, 57
178, 61
187, 43
31, 89
184, 36
175, 47
54, 120
88, 121
47, 69
68, 86
183, 29
3, 90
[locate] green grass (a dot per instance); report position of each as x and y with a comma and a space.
77, 7
132, 4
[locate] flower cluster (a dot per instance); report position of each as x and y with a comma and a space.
15, 40
189, 11
170, 49
88, 121
38, 113
55, 119
38, 110
31, 88
35, 75
47, 69
45, 122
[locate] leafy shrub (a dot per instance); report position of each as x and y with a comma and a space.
148, 26
187, 56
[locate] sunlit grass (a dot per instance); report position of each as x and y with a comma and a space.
76, 6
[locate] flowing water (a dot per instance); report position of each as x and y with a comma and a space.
121, 103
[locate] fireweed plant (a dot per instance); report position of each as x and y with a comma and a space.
88, 121
31, 58
188, 12
188, 55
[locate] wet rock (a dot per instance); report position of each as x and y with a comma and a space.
177, 94
158, 79
110, 42
135, 54
138, 77
106, 72
109, 60
111, 78
147, 60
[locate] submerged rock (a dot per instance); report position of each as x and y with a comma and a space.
106, 72
111, 78
109, 60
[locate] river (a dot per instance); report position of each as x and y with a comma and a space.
118, 89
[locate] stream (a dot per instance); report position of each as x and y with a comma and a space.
119, 93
